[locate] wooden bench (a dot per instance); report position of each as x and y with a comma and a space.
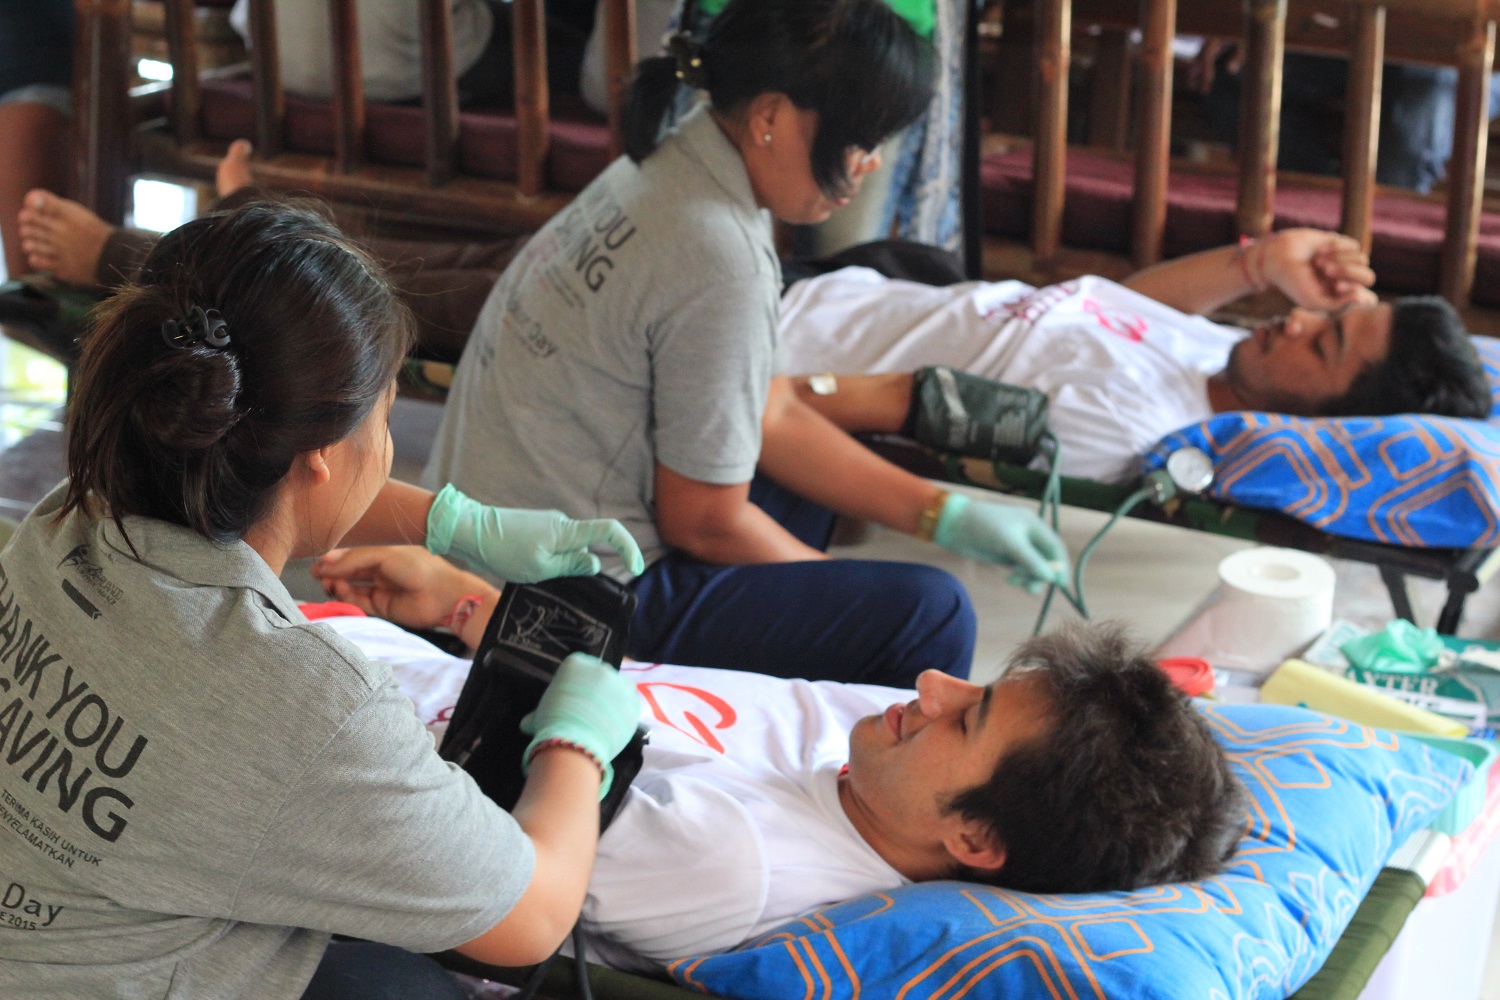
1050, 211
495, 170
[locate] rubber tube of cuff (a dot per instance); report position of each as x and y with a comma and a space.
1048, 511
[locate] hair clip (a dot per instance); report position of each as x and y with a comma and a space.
688, 53
203, 326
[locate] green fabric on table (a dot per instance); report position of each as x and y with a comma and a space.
920, 14
1367, 938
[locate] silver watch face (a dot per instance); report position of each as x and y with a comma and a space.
1191, 469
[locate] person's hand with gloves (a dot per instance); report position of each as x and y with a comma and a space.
1004, 534
589, 706
523, 546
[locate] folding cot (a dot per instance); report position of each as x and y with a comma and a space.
1303, 902
1462, 570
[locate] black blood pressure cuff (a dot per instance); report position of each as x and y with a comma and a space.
534, 628
971, 415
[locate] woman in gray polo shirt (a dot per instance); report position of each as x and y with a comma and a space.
622, 366
199, 785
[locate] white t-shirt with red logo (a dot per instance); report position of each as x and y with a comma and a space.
733, 826
1121, 371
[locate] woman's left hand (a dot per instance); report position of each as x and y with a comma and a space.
523, 546
1010, 536
402, 583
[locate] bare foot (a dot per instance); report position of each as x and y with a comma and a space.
234, 169
62, 237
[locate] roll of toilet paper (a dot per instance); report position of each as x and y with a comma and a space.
1270, 604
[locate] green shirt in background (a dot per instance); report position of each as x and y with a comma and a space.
920, 14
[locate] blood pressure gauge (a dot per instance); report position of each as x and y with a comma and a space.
1191, 469
1188, 470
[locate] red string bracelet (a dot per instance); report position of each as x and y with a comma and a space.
1246, 242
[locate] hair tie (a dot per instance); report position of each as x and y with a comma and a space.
688, 53
202, 326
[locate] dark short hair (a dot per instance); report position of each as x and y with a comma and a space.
857, 63
201, 436
1128, 788
1431, 367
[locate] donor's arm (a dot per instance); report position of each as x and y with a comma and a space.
1315, 269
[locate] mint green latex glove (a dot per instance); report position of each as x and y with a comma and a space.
1010, 536
523, 546
588, 703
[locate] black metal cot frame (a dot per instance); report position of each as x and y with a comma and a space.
1462, 570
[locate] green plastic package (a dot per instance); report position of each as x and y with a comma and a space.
1400, 648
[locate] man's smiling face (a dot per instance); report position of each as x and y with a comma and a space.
908, 764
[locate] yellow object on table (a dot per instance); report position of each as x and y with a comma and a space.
1299, 683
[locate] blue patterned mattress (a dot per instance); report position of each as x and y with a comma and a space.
1329, 801
1419, 481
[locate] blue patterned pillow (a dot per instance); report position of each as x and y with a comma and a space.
1409, 480
1330, 801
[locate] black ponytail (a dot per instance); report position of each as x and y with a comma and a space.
652, 92
654, 88
249, 338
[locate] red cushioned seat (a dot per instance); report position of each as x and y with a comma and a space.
1406, 245
395, 134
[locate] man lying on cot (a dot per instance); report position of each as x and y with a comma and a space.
1082, 769
1124, 365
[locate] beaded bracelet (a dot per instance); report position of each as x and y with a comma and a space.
558, 741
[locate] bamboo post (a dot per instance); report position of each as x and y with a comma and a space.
1153, 147
1362, 122
187, 88
265, 65
529, 29
101, 123
439, 92
1466, 170
1053, 56
1260, 114
348, 87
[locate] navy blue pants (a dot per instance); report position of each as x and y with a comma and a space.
837, 619
364, 970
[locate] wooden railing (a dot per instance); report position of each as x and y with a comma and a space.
1459, 33
104, 122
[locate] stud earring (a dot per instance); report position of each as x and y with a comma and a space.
766, 138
